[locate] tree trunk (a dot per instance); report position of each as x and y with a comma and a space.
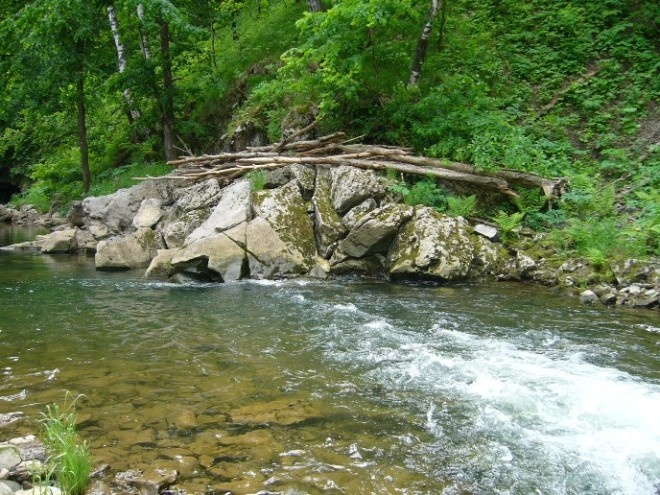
144, 44
82, 131
133, 112
423, 44
168, 88
314, 6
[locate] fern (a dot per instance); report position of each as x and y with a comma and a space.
508, 223
461, 206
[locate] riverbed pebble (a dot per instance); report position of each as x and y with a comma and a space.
10, 456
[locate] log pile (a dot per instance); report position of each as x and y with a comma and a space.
336, 150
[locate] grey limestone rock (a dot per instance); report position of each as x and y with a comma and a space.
351, 186
135, 250
148, 214
431, 246
232, 209
373, 233
10, 456
355, 214
328, 226
113, 214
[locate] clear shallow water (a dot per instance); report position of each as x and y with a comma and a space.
337, 387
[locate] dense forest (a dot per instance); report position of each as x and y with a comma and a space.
96, 92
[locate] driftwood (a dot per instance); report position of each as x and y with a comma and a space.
336, 150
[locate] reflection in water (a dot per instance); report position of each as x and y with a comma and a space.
324, 387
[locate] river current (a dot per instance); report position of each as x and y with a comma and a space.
336, 387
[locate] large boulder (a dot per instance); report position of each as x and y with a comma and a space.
431, 246
135, 250
192, 208
161, 266
148, 214
269, 256
198, 196
232, 209
220, 257
373, 233
113, 214
61, 241
489, 257
328, 226
286, 224
76, 214
356, 213
351, 186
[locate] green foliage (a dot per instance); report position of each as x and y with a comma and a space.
423, 192
68, 456
556, 88
508, 223
462, 206
257, 179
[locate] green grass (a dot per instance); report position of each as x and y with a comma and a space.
257, 180
69, 457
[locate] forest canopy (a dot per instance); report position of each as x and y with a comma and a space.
96, 92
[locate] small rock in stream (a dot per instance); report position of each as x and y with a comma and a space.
588, 297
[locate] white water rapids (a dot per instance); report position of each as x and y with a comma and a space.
511, 409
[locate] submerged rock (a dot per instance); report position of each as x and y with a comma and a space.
150, 482
284, 412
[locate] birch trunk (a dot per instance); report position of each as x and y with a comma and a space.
144, 44
134, 113
168, 87
423, 44
314, 6
82, 131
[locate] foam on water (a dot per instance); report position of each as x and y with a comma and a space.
544, 420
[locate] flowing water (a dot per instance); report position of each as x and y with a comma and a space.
336, 387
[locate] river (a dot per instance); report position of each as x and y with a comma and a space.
336, 387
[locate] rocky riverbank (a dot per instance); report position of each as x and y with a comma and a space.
318, 222
24, 471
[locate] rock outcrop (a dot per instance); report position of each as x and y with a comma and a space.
313, 221
432, 246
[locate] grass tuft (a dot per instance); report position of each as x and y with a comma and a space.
69, 457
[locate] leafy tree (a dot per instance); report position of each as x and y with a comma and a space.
54, 61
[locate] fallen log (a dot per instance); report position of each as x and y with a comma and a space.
335, 150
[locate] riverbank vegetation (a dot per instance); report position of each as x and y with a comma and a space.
96, 93
69, 458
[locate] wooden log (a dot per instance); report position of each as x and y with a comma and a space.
552, 188
220, 158
356, 161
